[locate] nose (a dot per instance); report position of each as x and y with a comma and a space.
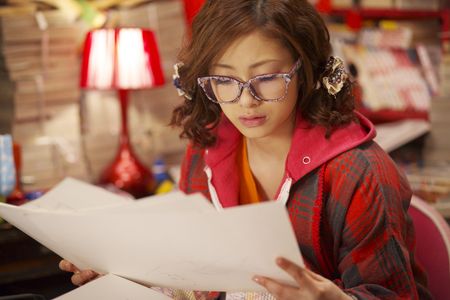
247, 99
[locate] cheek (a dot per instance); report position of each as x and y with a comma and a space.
288, 106
224, 109
291, 97
228, 111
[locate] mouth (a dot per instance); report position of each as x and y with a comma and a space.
252, 121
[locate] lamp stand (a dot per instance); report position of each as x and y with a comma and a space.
126, 172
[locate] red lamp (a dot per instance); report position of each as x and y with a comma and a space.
123, 59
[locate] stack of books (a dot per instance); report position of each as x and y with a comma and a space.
39, 56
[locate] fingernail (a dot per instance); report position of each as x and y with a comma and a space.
280, 261
257, 279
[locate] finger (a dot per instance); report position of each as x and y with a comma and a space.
80, 278
83, 277
68, 266
277, 289
314, 275
298, 273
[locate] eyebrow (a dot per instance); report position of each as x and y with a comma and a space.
253, 66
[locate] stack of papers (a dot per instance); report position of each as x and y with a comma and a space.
173, 240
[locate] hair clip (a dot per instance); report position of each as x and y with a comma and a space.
177, 81
337, 77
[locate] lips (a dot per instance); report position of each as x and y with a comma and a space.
253, 121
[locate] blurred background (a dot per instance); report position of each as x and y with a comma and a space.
398, 51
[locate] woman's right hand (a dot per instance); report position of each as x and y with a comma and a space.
79, 277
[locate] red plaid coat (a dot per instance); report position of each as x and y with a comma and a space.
347, 203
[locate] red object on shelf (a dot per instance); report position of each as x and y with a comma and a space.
353, 19
323, 6
191, 8
370, 13
123, 59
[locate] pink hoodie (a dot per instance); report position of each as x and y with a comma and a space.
309, 150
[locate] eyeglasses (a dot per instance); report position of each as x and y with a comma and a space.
267, 87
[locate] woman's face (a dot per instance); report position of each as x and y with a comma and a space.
251, 55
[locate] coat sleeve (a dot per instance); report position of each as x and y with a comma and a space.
373, 234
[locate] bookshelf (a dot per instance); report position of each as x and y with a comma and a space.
353, 14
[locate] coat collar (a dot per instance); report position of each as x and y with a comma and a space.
309, 150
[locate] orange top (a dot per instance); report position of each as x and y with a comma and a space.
248, 191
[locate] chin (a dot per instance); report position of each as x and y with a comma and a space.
255, 132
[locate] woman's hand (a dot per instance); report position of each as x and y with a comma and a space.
310, 284
79, 277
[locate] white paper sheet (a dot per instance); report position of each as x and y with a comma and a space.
193, 248
75, 195
159, 204
112, 287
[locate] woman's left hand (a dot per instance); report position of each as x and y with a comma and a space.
310, 284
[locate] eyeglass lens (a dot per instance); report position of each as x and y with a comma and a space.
265, 88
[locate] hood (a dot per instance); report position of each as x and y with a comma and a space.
309, 150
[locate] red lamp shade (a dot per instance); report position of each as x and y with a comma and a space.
123, 59
126, 58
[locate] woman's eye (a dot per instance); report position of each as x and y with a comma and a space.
266, 79
223, 81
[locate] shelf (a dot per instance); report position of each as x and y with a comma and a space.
388, 115
391, 136
388, 13
355, 16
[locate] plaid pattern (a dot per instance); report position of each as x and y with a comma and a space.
7, 167
349, 217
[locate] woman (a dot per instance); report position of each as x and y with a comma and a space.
270, 116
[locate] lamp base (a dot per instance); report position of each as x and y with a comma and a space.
129, 174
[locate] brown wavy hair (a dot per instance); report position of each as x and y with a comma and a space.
296, 24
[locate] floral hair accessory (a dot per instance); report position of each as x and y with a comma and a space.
337, 75
177, 81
